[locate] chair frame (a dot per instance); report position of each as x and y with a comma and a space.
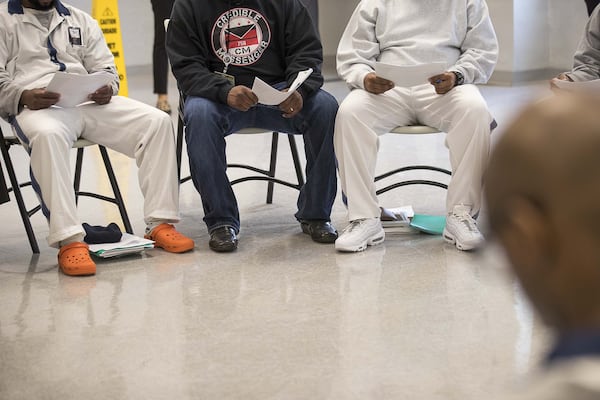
263, 174
413, 130
16, 186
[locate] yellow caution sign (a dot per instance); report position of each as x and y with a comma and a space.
106, 12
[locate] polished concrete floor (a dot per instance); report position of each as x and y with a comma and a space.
283, 317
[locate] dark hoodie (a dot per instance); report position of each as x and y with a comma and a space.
270, 39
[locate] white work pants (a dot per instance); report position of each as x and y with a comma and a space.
363, 117
124, 125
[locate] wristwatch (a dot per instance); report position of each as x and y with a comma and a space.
460, 79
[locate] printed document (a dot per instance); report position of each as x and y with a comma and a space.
409, 75
74, 89
129, 244
588, 86
270, 96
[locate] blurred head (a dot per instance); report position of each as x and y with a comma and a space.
38, 4
543, 196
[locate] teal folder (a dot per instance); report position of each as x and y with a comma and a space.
431, 224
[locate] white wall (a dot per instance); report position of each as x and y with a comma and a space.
531, 39
567, 21
501, 12
333, 16
537, 37
137, 27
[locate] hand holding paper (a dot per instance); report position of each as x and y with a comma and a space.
409, 75
38, 99
592, 86
75, 89
270, 96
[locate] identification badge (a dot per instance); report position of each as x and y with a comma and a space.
230, 78
75, 36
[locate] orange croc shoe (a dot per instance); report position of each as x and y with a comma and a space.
167, 238
74, 260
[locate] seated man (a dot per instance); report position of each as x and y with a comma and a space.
591, 5
458, 33
37, 39
542, 191
586, 64
313, 9
216, 49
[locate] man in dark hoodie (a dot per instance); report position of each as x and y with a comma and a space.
217, 48
591, 4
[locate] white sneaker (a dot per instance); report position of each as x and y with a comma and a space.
359, 234
461, 229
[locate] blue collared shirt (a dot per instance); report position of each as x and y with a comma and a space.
576, 344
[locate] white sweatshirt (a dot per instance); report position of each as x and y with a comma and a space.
410, 32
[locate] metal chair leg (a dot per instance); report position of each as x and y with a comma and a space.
115, 188
296, 159
117, 199
19, 198
77, 175
272, 166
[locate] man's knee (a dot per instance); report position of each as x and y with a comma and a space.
324, 103
200, 110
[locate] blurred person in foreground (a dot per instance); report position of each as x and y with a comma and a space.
543, 196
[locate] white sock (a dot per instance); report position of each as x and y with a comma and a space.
72, 239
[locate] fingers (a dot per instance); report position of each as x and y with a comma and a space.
554, 82
443, 83
37, 99
292, 105
249, 99
102, 95
241, 98
377, 85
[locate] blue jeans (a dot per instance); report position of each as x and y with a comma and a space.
208, 123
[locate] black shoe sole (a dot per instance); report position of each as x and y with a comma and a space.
224, 248
319, 239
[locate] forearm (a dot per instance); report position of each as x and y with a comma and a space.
479, 51
10, 95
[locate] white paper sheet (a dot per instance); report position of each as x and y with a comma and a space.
409, 75
270, 96
74, 89
588, 86
128, 244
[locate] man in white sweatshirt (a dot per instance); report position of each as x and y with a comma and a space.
458, 33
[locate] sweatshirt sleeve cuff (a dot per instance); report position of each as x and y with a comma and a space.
223, 93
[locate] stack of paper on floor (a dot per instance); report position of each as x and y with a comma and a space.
129, 244
397, 220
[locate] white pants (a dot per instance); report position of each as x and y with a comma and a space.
127, 126
363, 117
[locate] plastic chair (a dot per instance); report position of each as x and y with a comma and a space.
80, 145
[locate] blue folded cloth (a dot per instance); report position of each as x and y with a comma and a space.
102, 234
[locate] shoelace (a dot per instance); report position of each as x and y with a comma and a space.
468, 221
353, 225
